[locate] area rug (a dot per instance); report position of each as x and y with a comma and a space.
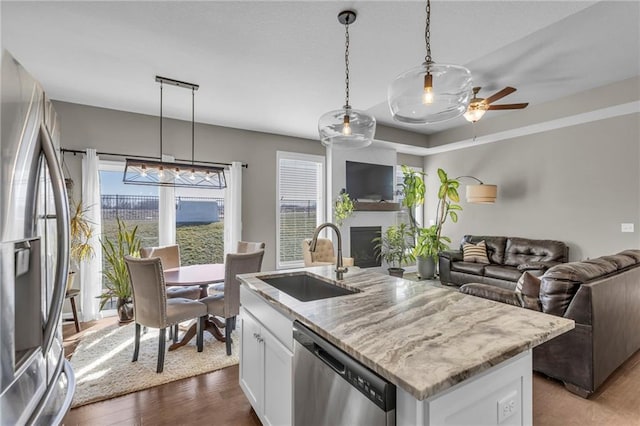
103, 368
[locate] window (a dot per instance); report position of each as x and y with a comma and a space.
300, 204
200, 225
136, 205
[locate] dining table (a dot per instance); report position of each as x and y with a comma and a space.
201, 275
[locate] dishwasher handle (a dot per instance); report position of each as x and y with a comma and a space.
328, 359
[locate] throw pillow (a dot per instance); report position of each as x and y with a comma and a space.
476, 253
528, 291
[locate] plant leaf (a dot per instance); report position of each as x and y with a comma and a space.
454, 216
442, 175
453, 194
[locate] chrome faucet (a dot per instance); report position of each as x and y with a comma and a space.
340, 269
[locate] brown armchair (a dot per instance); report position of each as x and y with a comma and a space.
151, 308
227, 304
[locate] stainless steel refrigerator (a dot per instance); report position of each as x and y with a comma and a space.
36, 381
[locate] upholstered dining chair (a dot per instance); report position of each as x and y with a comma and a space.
227, 304
170, 257
151, 308
248, 247
323, 255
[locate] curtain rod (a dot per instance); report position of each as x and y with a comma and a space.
77, 151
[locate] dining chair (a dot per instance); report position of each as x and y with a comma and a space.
227, 304
242, 247
170, 257
249, 247
151, 308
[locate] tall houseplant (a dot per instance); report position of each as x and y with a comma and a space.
430, 240
394, 245
81, 232
117, 277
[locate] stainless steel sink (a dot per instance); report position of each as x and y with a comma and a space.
306, 287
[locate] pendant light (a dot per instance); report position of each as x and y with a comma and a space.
431, 92
346, 128
181, 174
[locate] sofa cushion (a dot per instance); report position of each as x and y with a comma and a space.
620, 260
581, 271
508, 273
490, 292
523, 250
495, 246
634, 253
528, 291
468, 267
475, 252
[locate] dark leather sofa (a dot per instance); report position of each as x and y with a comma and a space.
509, 257
602, 296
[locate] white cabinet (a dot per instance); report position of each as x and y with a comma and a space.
266, 361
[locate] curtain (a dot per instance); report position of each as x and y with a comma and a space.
233, 208
90, 270
167, 212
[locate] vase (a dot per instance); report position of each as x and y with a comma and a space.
396, 272
426, 267
125, 310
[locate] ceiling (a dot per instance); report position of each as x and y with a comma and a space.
276, 67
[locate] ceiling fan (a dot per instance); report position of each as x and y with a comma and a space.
478, 106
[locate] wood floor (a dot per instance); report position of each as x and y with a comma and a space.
216, 399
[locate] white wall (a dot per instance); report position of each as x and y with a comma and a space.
575, 184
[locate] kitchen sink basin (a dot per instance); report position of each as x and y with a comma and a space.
306, 287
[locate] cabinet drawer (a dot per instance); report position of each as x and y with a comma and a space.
273, 320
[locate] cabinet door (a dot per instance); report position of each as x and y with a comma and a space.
278, 376
251, 361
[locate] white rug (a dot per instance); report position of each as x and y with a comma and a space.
103, 368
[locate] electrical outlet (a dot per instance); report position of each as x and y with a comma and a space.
626, 227
508, 406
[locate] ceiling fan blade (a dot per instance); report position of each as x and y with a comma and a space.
508, 106
501, 94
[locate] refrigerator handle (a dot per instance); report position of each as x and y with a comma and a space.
62, 222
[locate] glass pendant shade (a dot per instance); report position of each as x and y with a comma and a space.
355, 132
475, 111
430, 93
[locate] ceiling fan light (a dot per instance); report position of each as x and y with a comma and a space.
346, 129
450, 91
475, 111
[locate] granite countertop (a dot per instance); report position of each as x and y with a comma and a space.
422, 338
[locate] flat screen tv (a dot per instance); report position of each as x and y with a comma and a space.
369, 182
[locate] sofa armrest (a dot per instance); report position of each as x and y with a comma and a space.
537, 266
453, 256
444, 264
491, 292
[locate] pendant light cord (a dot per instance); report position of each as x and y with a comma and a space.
346, 63
193, 120
160, 121
427, 34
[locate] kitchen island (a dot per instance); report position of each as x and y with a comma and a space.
453, 357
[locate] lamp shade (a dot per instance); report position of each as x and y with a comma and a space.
482, 194
355, 132
448, 96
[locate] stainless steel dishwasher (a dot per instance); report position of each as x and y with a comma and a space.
331, 388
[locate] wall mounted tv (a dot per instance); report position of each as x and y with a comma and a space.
370, 182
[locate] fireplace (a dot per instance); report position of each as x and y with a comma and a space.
363, 250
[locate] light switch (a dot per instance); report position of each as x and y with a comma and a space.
626, 227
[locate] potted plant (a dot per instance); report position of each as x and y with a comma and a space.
343, 207
430, 241
81, 232
394, 246
117, 277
